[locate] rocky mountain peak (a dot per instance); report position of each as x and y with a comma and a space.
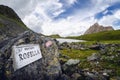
98, 28
96, 24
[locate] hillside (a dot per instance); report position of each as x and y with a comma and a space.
10, 23
54, 36
105, 35
98, 28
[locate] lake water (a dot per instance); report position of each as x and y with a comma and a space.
61, 40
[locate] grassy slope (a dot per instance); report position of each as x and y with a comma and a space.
13, 20
101, 36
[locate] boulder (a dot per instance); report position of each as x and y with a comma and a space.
64, 77
76, 76
93, 57
95, 47
70, 66
72, 62
46, 68
91, 76
95, 76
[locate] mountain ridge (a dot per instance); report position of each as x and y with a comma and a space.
98, 28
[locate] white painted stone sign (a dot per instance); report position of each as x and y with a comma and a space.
25, 54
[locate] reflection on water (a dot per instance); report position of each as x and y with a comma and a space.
61, 40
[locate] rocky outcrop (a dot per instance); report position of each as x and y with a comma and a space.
46, 68
98, 28
10, 23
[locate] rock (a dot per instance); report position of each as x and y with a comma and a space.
108, 72
95, 47
76, 76
64, 77
46, 68
57, 42
91, 76
64, 45
118, 51
72, 62
93, 57
95, 76
106, 76
70, 66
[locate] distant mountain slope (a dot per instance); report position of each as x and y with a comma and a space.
54, 36
105, 35
98, 28
8, 12
10, 23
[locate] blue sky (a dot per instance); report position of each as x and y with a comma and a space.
110, 11
66, 17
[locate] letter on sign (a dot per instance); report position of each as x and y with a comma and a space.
25, 54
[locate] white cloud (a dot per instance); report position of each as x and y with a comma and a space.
52, 8
70, 2
22, 7
67, 27
33, 22
109, 20
40, 16
117, 14
55, 14
114, 1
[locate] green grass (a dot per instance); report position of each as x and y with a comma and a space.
100, 36
113, 66
1, 25
77, 54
